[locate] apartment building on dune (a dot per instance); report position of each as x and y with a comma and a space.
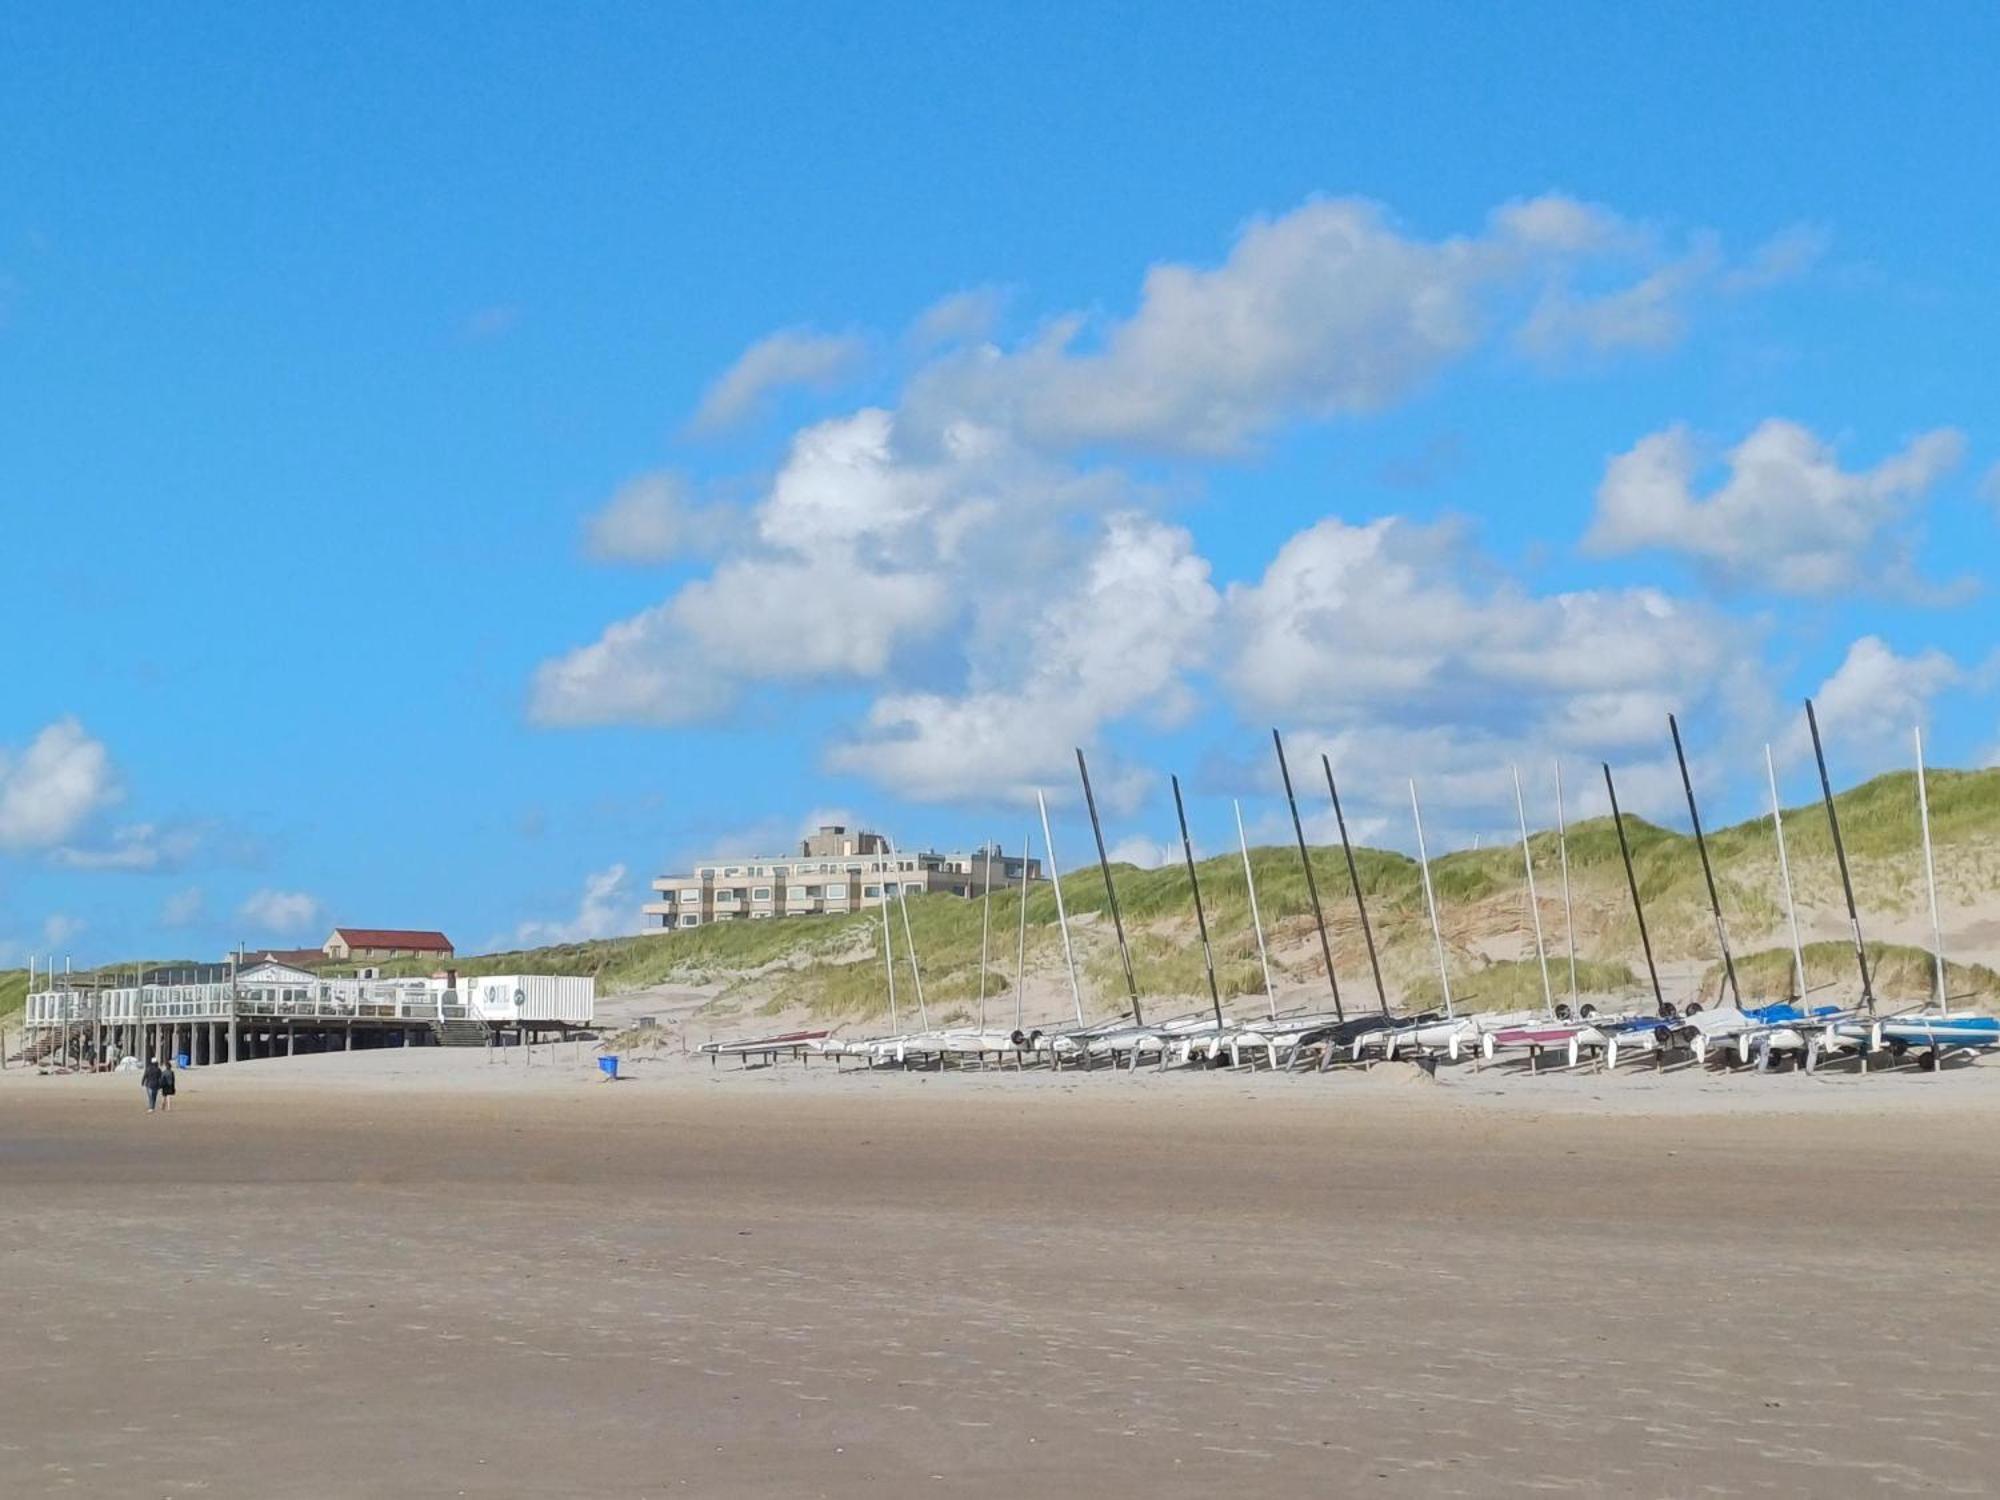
835, 870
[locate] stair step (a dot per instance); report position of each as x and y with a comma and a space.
460, 1033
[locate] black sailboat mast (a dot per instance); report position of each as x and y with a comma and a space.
1312, 885
1632, 881
1354, 879
1200, 919
1110, 890
1840, 855
1707, 870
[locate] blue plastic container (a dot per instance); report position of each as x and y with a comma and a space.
182, 1061
608, 1066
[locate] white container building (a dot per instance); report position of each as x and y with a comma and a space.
537, 999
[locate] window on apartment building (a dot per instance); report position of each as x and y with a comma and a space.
761, 893
812, 892
795, 893
837, 891
726, 898
690, 920
871, 890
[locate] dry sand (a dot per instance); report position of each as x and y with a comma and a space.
429, 1274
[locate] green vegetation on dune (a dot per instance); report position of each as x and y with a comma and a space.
1878, 819
13, 992
832, 967
1901, 975
699, 955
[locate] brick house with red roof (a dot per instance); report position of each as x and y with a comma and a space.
385, 942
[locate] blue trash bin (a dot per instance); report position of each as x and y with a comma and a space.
182, 1061
608, 1066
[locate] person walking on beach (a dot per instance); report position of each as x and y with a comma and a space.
167, 1083
150, 1082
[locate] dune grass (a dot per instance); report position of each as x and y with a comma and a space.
1901, 975
833, 966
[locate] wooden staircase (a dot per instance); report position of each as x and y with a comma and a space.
460, 1033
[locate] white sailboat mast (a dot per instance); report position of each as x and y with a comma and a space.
1930, 870
1534, 905
1062, 917
985, 925
1430, 900
1256, 919
1569, 917
1785, 872
1021, 951
889, 952
909, 937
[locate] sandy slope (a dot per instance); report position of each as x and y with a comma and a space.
427, 1273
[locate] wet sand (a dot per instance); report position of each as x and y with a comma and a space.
900, 1285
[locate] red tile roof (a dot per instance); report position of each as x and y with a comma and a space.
393, 937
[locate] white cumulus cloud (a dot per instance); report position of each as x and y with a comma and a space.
1786, 516
1118, 642
50, 790
281, 912
791, 356
965, 563
654, 519
1331, 308
1398, 649
1147, 854
958, 318
135, 846
606, 909
756, 620
1872, 701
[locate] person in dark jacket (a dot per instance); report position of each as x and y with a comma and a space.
150, 1082
166, 1083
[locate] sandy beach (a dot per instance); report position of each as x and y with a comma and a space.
435, 1274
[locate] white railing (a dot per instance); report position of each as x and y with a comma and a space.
413, 1000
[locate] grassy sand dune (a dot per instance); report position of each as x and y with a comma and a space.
831, 968
1900, 974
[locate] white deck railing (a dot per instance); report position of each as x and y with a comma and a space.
413, 1000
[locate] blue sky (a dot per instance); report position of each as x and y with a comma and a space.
448, 459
